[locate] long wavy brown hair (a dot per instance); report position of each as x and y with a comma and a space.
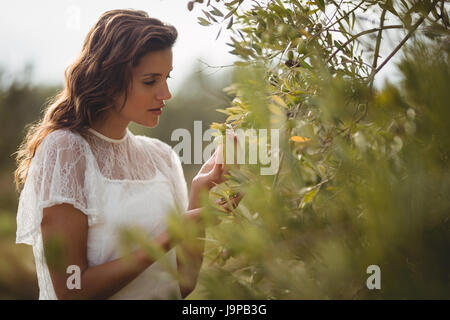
98, 76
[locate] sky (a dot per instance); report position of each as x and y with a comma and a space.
49, 34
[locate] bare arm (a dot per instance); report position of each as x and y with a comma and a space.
190, 254
101, 281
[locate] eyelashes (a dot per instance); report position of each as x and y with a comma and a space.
149, 83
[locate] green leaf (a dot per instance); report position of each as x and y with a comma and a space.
320, 4
310, 195
230, 23
203, 21
389, 7
223, 111
407, 20
210, 17
338, 44
220, 30
347, 19
216, 12
306, 65
279, 101
229, 14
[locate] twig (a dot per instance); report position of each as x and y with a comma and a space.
373, 71
326, 28
278, 171
400, 45
344, 16
377, 50
308, 189
397, 26
332, 17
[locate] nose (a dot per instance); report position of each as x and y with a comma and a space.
164, 93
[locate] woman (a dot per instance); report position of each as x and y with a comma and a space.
85, 175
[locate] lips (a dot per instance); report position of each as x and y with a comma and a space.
157, 109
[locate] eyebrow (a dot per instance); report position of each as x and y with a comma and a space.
154, 74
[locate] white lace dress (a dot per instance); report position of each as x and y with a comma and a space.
134, 181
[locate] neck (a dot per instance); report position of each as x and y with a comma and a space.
112, 127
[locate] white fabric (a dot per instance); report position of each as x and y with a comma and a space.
133, 181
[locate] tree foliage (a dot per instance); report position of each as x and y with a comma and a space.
363, 177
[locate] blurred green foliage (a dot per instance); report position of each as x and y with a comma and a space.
364, 176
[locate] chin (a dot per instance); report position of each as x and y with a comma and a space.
148, 124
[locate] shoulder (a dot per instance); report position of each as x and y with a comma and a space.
60, 153
62, 139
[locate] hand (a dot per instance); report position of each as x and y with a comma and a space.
212, 172
233, 202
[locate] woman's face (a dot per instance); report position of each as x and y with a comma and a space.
148, 89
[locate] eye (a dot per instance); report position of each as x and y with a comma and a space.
149, 83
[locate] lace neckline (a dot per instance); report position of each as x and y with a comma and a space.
103, 137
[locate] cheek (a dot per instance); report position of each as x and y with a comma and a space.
140, 98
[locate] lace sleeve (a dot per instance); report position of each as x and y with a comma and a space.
60, 172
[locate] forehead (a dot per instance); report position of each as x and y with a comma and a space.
155, 62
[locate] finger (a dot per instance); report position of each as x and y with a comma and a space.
210, 163
236, 199
233, 201
218, 173
220, 164
222, 206
212, 159
226, 207
235, 139
219, 155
